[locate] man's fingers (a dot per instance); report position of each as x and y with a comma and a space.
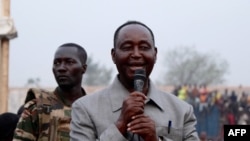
138, 94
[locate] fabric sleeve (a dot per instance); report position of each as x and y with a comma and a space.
112, 134
190, 133
82, 127
27, 126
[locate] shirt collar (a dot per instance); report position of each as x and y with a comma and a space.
155, 96
117, 93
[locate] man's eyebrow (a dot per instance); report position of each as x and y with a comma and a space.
144, 42
125, 42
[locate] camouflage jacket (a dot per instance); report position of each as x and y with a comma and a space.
45, 118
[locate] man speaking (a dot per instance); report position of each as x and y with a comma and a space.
122, 113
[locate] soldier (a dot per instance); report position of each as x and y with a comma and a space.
47, 115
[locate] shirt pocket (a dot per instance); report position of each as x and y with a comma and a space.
169, 134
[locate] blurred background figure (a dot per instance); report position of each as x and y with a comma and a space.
8, 122
203, 136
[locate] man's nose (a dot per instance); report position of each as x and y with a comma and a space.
61, 67
136, 52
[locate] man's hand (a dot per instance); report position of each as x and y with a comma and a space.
144, 126
133, 105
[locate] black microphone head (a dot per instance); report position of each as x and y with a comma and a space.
139, 79
140, 74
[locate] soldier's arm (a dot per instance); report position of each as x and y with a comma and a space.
28, 125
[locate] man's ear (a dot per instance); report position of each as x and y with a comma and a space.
113, 55
156, 51
84, 68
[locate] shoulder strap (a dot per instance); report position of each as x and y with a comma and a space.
32, 93
43, 99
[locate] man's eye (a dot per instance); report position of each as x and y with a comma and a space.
144, 47
70, 62
56, 63
126, 47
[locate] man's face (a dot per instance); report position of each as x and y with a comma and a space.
133, 50
67, 67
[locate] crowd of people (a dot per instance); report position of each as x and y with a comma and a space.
233, 104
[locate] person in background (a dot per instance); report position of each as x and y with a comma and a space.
119, 112
8, 122
203, 136
46, 115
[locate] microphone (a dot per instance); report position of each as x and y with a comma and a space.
139, 79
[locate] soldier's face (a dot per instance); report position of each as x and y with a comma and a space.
67, 67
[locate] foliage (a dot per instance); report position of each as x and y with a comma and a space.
185, 65
35, 82
96, 75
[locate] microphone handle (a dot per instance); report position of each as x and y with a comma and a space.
138, 86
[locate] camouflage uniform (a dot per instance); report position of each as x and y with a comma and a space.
45, 118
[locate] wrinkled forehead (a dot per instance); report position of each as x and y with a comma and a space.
134, 31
